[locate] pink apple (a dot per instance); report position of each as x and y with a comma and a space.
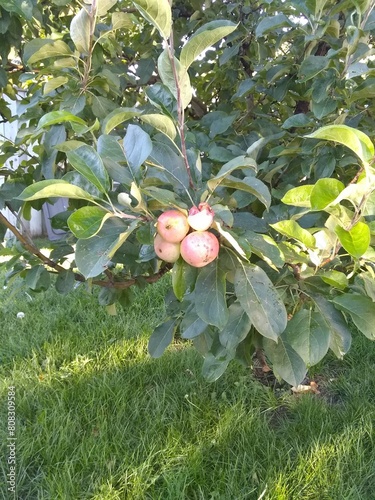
172, 226
169, 252
199, 248
200, 218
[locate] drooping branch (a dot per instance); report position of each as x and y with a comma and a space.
46, 261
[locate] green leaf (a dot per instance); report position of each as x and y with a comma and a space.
335, 279
171, 163
89, 164
158, 13
299, 196
312, 66
240, 162
65, 282
309, 335
350, 137
118, 116
38, 279
24, 8
285, 361
59, 117
341, 337
259, 298
40, 49
325, 192
161, 337
292, 229
87, 221
355, 241
103, 6
210, 299
80, 31
184, 277
121, 20
237, 327
191, 326
167, 76
271, 23
361, 309
93, 254
205, 37
162, 123
250, 185
164, 197
265, 247
54, 188
54, 83
295, 121
230, 238
137, 147
213, 367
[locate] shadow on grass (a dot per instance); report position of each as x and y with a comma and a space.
98, 419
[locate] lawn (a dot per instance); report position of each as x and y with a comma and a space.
98, 419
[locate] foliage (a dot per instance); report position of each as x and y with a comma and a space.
264, 110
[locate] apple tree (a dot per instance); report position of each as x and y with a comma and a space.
229, 144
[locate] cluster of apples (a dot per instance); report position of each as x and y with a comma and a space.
178, 234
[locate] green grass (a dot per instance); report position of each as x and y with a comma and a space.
98, 419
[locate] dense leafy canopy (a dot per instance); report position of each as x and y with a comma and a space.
264, 110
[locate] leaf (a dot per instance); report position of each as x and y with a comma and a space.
299, 196
312, 66
240, 162
285, 361
229, 238
324, 192
250, 185
361, 309
350, 137
38, 279
265, 247
191, 326
209, 34
184, 277
237, 327
118, 116
54, 188
167, 76
309, 335
341, 337
54, 83
271, 23
59, 117
121, 20
24, 8
65, 282
298, 120
213, 368
40, 49
89, 164
172, 164
162, 123
164, 197
137, 147
161, 337
259, 298
93, 254
355, 241
103, 6
292, 229
335, 279
87, 221
80, 31
210, 299
158, 13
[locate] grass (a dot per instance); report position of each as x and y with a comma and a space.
98, 419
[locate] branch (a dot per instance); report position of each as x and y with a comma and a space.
110, 283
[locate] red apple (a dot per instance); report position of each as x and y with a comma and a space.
201, 217
199, 248
172, 226
169, 252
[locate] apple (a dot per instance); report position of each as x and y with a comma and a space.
201, 217
169, 252
172, 226
199, 248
